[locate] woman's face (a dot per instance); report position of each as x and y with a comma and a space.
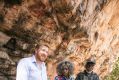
65, 71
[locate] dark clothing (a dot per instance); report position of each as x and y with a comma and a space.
87, 76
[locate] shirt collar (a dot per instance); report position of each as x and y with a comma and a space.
33, 59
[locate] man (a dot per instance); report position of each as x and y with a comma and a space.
88, 73
33, 68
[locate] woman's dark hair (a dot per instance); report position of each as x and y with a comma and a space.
64, 64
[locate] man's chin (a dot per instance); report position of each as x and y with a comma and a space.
42, 60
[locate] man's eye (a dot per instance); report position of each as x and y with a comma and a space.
43, 50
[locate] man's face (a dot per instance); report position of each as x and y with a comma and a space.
42, 53
89, 67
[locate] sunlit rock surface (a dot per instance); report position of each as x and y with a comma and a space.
74, 29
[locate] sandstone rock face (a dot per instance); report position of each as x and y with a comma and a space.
74, 29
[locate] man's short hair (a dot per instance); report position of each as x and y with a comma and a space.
39, 45
90, 61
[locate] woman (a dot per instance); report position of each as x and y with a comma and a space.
65, 71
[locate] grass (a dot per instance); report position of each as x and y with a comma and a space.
114, 75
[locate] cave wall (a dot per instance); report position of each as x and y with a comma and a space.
74, 29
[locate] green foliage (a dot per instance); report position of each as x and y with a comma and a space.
114, 75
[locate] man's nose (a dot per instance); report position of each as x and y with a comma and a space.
45, 53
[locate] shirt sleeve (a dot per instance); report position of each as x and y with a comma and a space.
22, 71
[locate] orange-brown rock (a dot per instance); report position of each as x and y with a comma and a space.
74, 30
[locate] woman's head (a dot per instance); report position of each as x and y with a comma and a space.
65, 68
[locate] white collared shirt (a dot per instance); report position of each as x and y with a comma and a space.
28, 69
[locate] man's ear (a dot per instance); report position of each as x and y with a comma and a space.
36, 51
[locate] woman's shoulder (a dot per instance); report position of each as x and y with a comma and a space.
59, 78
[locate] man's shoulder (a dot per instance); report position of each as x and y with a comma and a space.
24, 60
94, 74
80, 73
83, 73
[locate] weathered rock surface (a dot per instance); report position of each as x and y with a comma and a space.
74, 29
